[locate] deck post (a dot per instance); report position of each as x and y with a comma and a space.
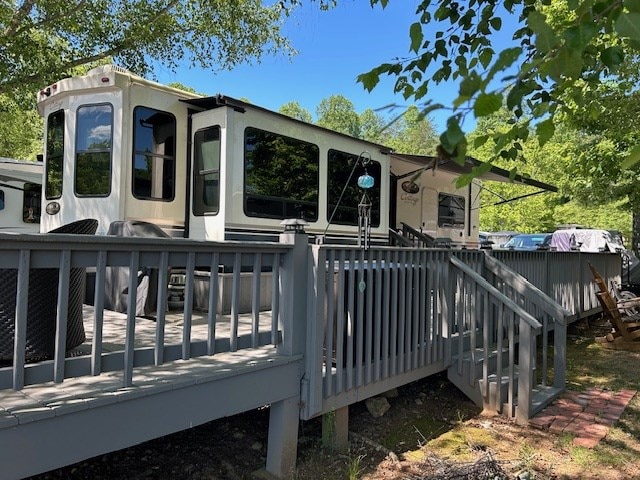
284, 416
282, 443
335, 429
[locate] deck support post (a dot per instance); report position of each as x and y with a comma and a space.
282, 444
335, 429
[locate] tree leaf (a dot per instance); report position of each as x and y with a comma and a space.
452, 137
628, 25
546, 38
486, 104
415, 32
579, 36
632, 158
632, 5
545, 130
612, 57
369, 80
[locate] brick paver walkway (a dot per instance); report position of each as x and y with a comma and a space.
586, 415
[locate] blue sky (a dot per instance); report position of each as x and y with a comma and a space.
334, 47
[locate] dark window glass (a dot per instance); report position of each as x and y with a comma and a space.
281, 176
31, 202
55, 155
1, 199
206, 175
94, 140
154, 154
340, 165
450, 210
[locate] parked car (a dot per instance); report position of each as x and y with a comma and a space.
529, 241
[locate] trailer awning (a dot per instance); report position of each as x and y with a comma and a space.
495, 174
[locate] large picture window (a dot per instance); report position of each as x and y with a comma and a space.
154, 154
450, 210
281, 176
340, 166
55, 155
206, 175
94, 141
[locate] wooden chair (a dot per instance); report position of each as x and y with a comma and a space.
625, 332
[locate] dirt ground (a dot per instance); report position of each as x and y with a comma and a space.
431, 432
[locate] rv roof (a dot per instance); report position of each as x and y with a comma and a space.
217, 101
20, 170
495, 174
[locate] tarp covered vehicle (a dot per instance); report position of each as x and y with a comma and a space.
585, 240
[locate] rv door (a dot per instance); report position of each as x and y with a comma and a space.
208, 151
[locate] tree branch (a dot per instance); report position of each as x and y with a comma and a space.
18, 18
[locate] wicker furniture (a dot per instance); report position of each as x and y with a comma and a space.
43, 303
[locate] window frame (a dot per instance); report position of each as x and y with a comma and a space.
284, 201
449, 221
199, 206
164, 157
376, 211
90, 151
48, 194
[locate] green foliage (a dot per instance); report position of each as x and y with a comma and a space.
43, 40
21, 131
338, 113
295, 110
560, 53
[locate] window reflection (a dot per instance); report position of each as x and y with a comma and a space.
340, 165
94, 139
154, 154
54, 155
206, 178
281, 176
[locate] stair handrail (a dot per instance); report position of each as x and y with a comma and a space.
484, 283
396, 239
424, 239
526, 288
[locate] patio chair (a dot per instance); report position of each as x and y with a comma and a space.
43, 304
625, 333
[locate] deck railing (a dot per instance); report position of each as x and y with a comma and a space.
226, 261
375, 322
564, 276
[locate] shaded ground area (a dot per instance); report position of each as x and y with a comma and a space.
431, 432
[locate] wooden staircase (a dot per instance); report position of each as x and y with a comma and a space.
499, 351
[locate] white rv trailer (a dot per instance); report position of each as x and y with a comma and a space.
427, 199
119, 147
20, 192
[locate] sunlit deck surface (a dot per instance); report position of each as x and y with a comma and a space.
46, 400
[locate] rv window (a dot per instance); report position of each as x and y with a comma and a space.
55, 153
94, 140
1, 199
31, 202
206, 171
281, 176
154, 154
340, 166
450, 210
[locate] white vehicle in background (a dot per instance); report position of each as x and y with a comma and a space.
20, 195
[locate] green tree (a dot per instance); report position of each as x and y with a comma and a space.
295, 110
21, 130
561, 51
42, 40
338, 113
413, 133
